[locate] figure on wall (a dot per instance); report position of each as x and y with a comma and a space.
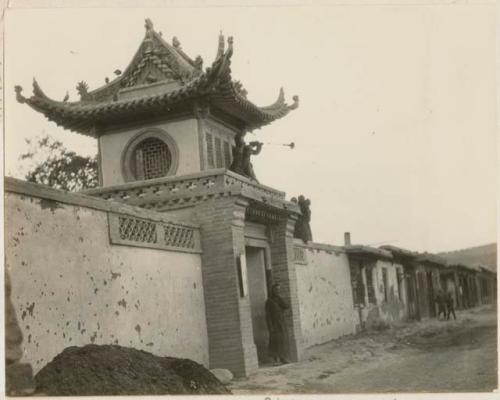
242, 153
302, 226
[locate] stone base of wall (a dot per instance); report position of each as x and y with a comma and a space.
18, 376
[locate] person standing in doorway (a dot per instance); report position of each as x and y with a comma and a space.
441, 303
275, 318
450, 306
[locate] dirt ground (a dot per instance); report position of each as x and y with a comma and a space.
427, 356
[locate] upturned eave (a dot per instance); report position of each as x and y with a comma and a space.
214, 87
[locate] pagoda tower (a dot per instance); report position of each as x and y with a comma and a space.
164, 115
166, 128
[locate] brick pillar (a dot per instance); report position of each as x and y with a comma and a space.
283, 270
229, 322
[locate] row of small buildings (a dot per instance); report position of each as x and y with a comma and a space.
417, 278
342, 290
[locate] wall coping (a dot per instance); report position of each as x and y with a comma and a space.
368, 251
319, 246
18, 186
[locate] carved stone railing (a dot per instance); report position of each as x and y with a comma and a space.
180, 191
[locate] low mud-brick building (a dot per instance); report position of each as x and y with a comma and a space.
165, 129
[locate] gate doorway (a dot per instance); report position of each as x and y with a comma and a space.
258, 274
430, 291
411, 297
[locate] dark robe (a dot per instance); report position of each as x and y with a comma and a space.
302, 226
441, 303
237, 164
242, 154
450, 306
278, 339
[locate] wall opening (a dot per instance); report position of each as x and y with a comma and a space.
430, 288
258, 293
385, 283
411, 297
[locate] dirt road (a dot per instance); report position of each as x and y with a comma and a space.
428, 356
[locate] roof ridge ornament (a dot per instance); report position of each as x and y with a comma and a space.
148, 24
281, 96
176, 43
37, 90
215, 85
221, 47
198, 63
295, 103
238, 86
83, 89
148, 41
19, 97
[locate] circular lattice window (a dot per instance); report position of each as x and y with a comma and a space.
152, 159
151, 154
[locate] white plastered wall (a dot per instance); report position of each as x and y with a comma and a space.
184, 132
71, 287
325, 296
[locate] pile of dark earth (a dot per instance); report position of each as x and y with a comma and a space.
95, 370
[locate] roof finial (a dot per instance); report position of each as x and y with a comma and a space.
176, 43
198, 63
82, 89
148, 25
220, 49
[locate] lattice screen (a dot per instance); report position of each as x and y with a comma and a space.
210, 150
137, 230
146, 233
178, 236
218, 146
153, 159
218, 153
227, 154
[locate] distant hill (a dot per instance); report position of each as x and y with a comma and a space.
485, 255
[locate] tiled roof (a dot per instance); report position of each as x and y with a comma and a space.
400, 251
432, 259
159, 77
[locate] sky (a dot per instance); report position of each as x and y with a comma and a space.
395, 133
